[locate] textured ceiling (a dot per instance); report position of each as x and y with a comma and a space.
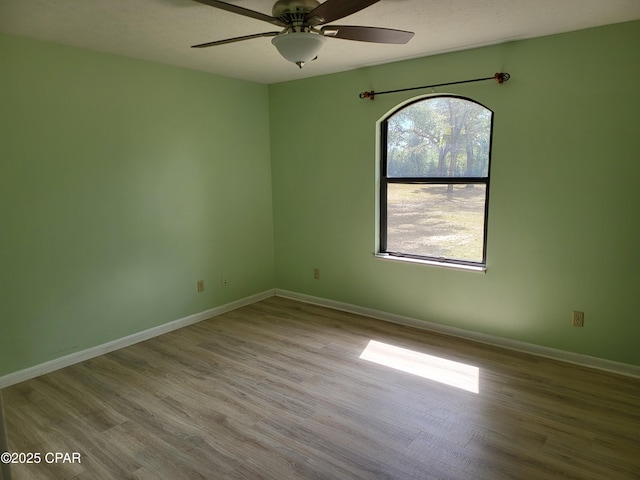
163, 30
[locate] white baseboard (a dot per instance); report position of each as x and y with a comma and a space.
555, 354
77, 357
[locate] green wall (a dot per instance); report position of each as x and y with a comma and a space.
122, 183
563, 228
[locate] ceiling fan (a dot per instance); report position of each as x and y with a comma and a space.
303, 26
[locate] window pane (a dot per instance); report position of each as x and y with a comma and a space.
439, 137
436, 220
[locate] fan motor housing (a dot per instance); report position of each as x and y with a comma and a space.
283, 7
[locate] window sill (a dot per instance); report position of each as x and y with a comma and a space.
433, 263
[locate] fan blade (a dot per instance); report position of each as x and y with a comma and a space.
235, 39
242, 11
332, 10
367, 34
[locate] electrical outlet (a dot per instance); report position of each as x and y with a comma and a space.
200, 286
577, 319
316, 273
225, 281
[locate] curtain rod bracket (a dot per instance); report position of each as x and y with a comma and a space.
499, 77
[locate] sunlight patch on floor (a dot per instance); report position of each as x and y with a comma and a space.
455, 374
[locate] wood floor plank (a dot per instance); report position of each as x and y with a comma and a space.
277, 390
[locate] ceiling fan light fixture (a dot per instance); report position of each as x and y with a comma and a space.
299, 47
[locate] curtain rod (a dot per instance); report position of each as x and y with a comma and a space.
499, 77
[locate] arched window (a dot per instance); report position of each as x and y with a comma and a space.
434, 181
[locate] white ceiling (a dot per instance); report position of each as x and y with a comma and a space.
163, 30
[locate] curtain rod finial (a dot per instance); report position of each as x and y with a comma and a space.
502, 77
369, 95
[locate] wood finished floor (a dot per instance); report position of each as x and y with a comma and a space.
277, 390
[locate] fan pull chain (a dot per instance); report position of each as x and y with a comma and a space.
499, 77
